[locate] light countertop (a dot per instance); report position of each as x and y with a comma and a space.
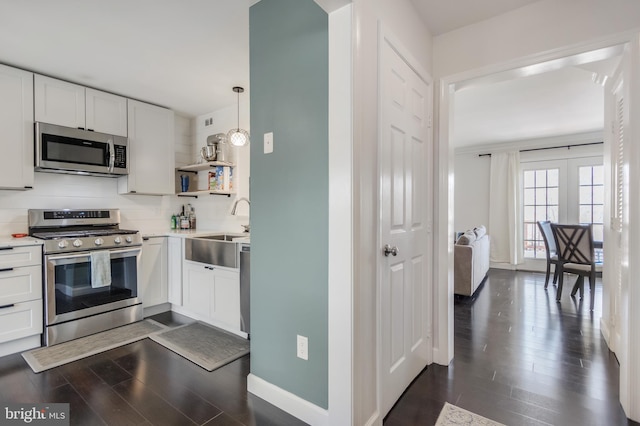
9, 241
190, 233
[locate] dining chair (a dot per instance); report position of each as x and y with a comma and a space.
574, 244
550, 247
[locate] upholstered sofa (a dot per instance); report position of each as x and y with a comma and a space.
471, 260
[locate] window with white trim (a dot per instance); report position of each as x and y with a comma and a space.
561, 191
541, 202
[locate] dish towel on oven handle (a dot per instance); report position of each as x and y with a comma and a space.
100, 269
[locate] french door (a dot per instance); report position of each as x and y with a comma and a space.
561, 191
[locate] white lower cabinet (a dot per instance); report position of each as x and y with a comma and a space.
21, 309
212, 294
18, 320
20, 284
174, 266
153, 289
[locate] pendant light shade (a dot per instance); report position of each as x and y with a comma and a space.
238, 136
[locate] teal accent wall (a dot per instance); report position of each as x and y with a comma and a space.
289, 195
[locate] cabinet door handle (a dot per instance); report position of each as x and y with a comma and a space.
6, 248
6, 269
7, 306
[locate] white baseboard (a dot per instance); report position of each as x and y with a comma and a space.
374, 419
440, 359
286, 401
606, 332
498, 265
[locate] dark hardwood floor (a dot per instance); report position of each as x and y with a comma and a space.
142, 383
521, 359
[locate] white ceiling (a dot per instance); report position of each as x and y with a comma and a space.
557, 103
442, 16
185, 55
188, 55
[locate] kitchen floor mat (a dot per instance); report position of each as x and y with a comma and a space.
204, 345
41, 359
452, 415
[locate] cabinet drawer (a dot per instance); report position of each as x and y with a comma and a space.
20, 284
13, 257
21, 320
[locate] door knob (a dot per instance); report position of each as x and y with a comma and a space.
390, 250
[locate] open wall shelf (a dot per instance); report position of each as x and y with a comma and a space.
193, 170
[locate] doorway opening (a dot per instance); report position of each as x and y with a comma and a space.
449, 166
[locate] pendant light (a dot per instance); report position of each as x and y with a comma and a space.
238, 136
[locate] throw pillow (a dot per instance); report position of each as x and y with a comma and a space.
480, 231
467, 238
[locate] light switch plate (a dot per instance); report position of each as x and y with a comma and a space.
268, 143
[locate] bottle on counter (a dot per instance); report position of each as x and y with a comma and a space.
174, 222
192, 219
184, 221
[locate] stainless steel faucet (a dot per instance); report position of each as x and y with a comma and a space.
235, 205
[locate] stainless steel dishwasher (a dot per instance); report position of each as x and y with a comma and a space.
245, 280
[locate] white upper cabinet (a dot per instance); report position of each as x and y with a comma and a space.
71, 105
16, 128
59, 102
151, 150
106, 113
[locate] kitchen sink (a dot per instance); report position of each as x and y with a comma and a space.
221, 237
216, 249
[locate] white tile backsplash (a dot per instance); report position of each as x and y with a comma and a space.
57, 191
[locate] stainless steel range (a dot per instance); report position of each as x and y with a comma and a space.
90, 272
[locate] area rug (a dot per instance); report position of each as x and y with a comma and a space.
452, 415
204, 345
53, 356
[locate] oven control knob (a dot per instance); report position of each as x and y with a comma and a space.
63, 244
99, 241
117, 240
129, 239
77, 243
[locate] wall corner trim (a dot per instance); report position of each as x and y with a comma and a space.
286, 401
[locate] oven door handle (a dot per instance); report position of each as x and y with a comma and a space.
88, 253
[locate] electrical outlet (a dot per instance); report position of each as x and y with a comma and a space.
303, 347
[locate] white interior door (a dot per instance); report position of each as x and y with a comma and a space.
615, 272
405, 144
622, 245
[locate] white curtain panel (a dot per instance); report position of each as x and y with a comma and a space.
505, 217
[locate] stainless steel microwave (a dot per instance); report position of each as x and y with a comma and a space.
67, 150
